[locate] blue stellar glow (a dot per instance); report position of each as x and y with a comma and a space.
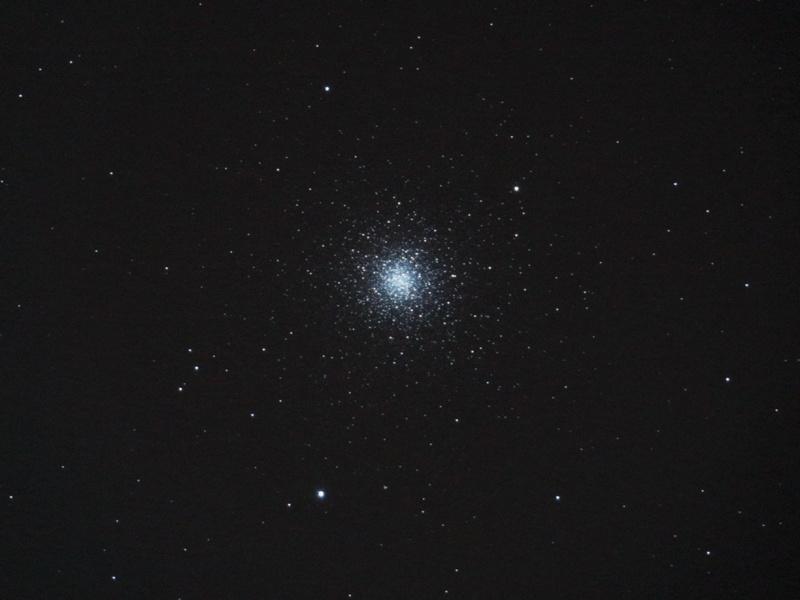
398, 284
399, 281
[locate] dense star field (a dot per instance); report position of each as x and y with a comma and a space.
374, 300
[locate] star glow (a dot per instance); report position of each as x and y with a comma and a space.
402, 286
399, 281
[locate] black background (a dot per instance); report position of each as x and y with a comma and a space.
607, 408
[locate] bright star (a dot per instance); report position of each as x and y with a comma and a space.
320, 494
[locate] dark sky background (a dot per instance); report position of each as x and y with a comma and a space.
377, 300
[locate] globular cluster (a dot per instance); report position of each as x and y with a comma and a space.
405, 287
400, 279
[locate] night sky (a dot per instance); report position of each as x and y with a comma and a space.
383, 300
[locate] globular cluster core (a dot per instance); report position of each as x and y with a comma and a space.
402, 287
400, 281
403, 281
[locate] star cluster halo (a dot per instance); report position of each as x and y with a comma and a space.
404, 287
396, 279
